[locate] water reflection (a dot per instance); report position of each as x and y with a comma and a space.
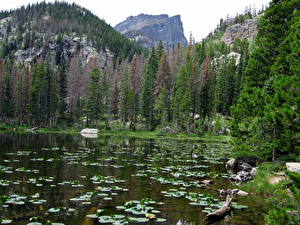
47, 171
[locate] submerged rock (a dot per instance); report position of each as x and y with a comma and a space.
206, 182
223, 193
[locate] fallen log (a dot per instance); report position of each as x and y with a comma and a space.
224, 210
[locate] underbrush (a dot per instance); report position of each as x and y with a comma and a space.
283, 198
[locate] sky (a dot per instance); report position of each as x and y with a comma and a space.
198, 16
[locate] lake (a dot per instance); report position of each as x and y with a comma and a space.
68, 179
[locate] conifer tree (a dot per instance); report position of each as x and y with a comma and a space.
7, 104
181, 101
94, 102
62, 88
148, 87
263, 115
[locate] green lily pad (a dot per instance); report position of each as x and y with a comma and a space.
5, 221
92, 216
139, 219
160, 220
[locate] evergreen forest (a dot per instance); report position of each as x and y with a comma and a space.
62, 67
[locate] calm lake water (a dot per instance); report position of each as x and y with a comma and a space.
51, 178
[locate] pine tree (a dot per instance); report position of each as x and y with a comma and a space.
36, 98
63, 93
94, 102
148, 87
7, 104
264, 118
181, 100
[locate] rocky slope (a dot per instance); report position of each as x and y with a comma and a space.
149, 30
248, 29
68, 45
61, 30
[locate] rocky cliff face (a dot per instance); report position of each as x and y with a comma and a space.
248, 29
70, 45
149, 30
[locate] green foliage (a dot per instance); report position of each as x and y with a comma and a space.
181, 101
94, 107
62, 17
7, 104
285, 202
265, 118
148, 87
43, 96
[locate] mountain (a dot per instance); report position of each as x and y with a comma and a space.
149, 30
37, 30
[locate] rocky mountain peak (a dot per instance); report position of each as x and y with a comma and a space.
149, 30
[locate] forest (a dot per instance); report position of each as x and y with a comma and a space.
205, 87
249, 90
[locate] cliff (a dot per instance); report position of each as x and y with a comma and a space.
149, 30
248, 29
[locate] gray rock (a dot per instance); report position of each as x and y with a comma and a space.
248, 29
230, 165
293, 167
253, 172
241, 176
243, 166
236, 165
89, 131
149, 30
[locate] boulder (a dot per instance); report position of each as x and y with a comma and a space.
241, 176
277, 177
236, 165
293, 167
223, 193
243, 166
89, 131
253, 172
230, 165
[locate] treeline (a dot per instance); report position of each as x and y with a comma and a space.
176, 91
27, 23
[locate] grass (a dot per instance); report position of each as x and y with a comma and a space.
157, 135
124, 133
283, 198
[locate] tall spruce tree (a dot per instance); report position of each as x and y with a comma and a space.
148, 87
94, 102
181, 101
264, 118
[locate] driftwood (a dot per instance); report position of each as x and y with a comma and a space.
225, 209
31, 129
222, 211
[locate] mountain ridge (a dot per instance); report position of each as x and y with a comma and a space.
148, 30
